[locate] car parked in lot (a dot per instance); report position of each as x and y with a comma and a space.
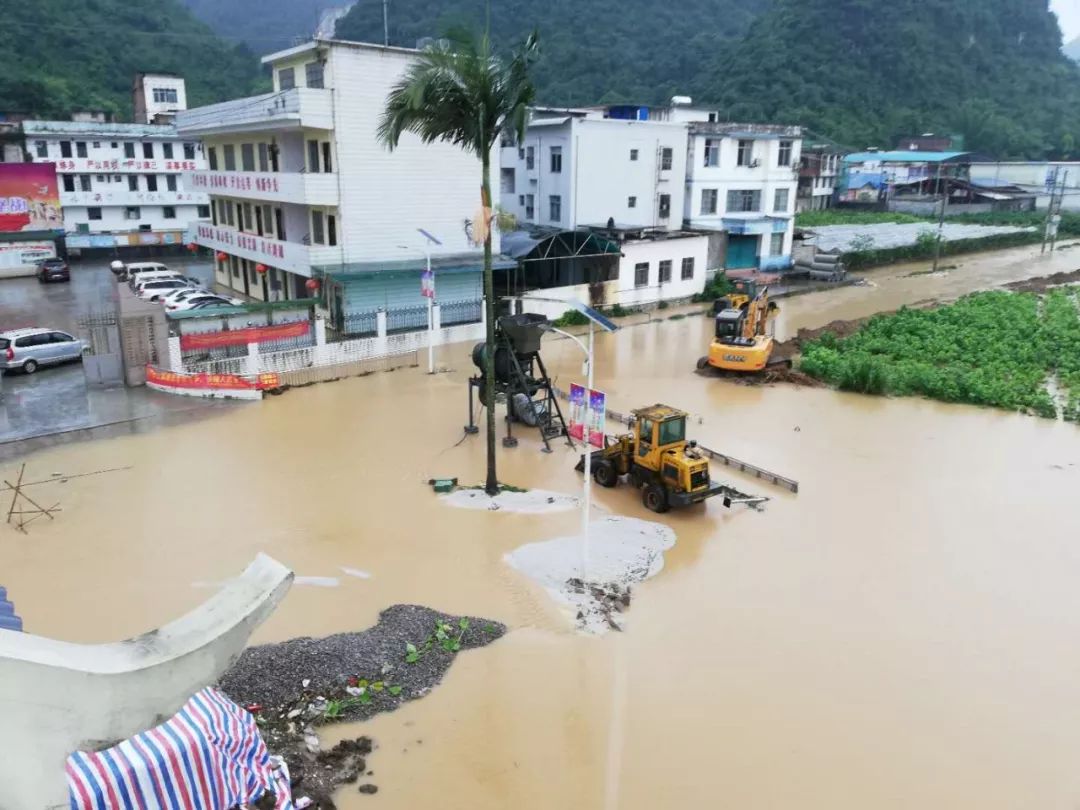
201, 301
28, 349
53, 270
132, 270
153, 289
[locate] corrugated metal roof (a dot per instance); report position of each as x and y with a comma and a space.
903, 156
166, 131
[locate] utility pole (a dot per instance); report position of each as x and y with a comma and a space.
385, 23
1055, 220
941, 220
1049, 212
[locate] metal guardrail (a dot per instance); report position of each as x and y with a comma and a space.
789, 484
457, 312
360, 324
406, 319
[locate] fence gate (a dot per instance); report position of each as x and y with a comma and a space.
101, 362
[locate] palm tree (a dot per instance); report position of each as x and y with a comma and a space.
459, 91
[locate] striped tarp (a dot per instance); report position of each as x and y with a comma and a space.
209, 756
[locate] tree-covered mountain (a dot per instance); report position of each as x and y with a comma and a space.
868, 71
264, 26
592, 50
66, 55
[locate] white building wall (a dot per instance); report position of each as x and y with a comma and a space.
1035, 177
653, 252
386, 196
151, 82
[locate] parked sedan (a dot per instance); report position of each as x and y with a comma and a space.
153, 290
53, 270
27, 349
178, 295
202, 302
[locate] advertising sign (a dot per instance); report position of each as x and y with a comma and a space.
597, 414
427, 284
204, 381
29, 198
242, 337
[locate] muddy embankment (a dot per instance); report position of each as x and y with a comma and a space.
1043, 283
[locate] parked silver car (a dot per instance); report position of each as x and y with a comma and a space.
27, 349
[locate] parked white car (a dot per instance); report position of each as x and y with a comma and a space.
133, 270
179, 295
201, 302
152, 290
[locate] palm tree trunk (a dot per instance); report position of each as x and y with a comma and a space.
491, 486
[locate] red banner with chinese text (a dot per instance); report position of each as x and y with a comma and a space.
221, 382
241, 337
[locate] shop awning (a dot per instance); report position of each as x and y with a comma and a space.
443, 265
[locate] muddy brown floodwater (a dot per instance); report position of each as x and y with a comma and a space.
902, 633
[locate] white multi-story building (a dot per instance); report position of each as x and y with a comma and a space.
818, 169
121, 185
158, 97
301, 188
741, 179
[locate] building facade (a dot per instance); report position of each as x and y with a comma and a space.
301, 187
121, 185
742, 179
818, 169
158, 97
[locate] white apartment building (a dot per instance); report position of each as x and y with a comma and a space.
818, 169
741, 179
121, 185
301, 188
158, 97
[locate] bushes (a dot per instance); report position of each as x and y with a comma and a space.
718, 287
571, 318
846, 216
924, 249
994, 349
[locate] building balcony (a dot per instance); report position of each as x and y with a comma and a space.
291, 256
101, 199
283, 187
300, 107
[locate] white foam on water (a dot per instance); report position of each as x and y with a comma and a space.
318, 582
356, 572
532, 502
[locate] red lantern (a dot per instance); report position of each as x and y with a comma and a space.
192, 247
261, 268
222, 255
312, 284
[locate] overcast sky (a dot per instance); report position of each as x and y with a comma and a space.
1068, 12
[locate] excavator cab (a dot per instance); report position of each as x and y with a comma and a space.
730, 324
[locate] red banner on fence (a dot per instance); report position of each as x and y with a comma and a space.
241, 337
219, 382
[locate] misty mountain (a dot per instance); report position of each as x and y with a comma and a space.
1072, 49
264, 26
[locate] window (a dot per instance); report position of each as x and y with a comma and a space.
712, 118
132, 212
133, 182
170, 182
746, 153
631, 202
776, 244
93, 213
41, 148
521, 153
506, 181
268, 219
708, 200
230, 157
665, 271
744, 200
712, 152
318, 236
665, 206
151, 182
312, 156
784, 157
521, 199
203, 212
264, 158
286, 78
84, 182
641, 274
688, 268
331, 230
96, 144
780, 201
633, 154
68, 181
530, 158
80, 148
507, 140
189, 151
313, 73
327, 162
129, 149
229, 218
240, 217
671, 431
235, 263
556, 159
667, 154
165, 95
530, 206
168, 212
247, 157
65, 148
101, 178
117, 178
166, 151
211, 158
148, 150
555, 206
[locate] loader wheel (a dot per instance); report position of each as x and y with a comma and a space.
604, 474
655, 498
702, 363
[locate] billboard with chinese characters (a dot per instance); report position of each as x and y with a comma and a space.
596, 417
29, 198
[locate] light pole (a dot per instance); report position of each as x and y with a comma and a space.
429, 293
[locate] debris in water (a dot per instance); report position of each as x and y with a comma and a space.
534, 501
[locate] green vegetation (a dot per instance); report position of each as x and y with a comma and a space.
66, 55
924, 249
264, 26
571, 318
443, 635
991, 348
867, 72
847, 216
717, 287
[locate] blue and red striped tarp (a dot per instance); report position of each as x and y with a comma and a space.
209, 756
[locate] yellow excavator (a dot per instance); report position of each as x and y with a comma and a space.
743, 339
657, 459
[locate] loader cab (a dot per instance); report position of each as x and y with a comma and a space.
658, 429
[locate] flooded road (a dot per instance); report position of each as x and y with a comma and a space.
900, 634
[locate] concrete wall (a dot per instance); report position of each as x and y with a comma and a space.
652, 253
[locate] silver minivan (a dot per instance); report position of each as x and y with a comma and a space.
27, 349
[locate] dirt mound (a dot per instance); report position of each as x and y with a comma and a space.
1040, 284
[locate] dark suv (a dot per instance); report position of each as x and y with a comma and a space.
53, 270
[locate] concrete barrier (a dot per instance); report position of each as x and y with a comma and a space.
57, 697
